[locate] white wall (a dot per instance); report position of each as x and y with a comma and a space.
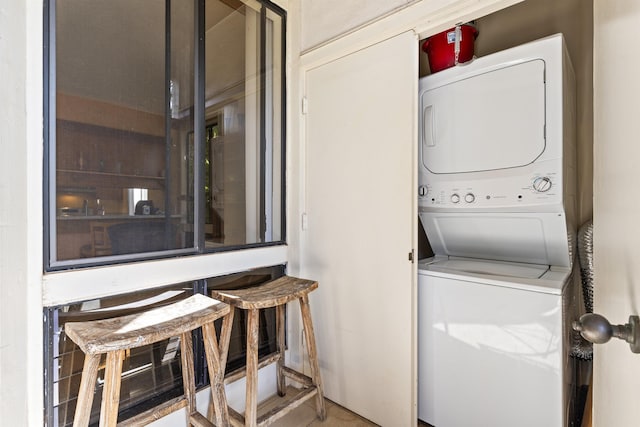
616, 206
21, 213
324, 20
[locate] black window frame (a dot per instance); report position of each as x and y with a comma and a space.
198, 248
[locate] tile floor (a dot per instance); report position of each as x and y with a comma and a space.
305, 415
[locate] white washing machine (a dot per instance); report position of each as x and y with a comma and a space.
493, 343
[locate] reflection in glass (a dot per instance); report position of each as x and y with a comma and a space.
243, 138
144, 98
117, 128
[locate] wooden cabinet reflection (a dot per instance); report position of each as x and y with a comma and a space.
97, 236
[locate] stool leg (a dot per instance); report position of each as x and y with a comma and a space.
216, 374
251, 410
313, 355
111, 390
188, 380
223, 349
280, 339
87, 388
225, 339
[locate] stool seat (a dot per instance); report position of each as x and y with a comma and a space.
275, 293
117, 335
137, 330
271, 294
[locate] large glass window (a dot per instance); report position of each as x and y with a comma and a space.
165, 128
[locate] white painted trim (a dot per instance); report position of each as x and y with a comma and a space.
33, 342
78, 285
425, 18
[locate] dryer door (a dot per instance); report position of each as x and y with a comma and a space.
492, 120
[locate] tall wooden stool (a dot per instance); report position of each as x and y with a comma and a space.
116, 335
276, 293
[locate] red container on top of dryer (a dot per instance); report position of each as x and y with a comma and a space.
451, 47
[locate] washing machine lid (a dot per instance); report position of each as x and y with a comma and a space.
489, 121
492, 268
526, 277
521, 237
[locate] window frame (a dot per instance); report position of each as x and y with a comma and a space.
199, 248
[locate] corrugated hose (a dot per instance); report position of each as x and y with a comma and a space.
581, 348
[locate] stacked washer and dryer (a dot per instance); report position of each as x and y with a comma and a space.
497, 202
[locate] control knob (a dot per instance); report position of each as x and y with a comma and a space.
423, 190
469, 198
455, 198
542, 184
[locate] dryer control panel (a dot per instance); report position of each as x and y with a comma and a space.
542, 187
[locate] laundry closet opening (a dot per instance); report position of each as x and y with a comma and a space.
505, 181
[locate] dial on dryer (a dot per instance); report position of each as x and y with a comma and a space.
542, 184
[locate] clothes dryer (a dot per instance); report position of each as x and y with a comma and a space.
497, 156
493, 343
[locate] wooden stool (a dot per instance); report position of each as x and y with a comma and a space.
116, 335
276, 293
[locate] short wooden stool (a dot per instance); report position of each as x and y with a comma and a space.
276, 293
116, 335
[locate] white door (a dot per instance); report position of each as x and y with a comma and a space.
616, 206
360, 203
468, 121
